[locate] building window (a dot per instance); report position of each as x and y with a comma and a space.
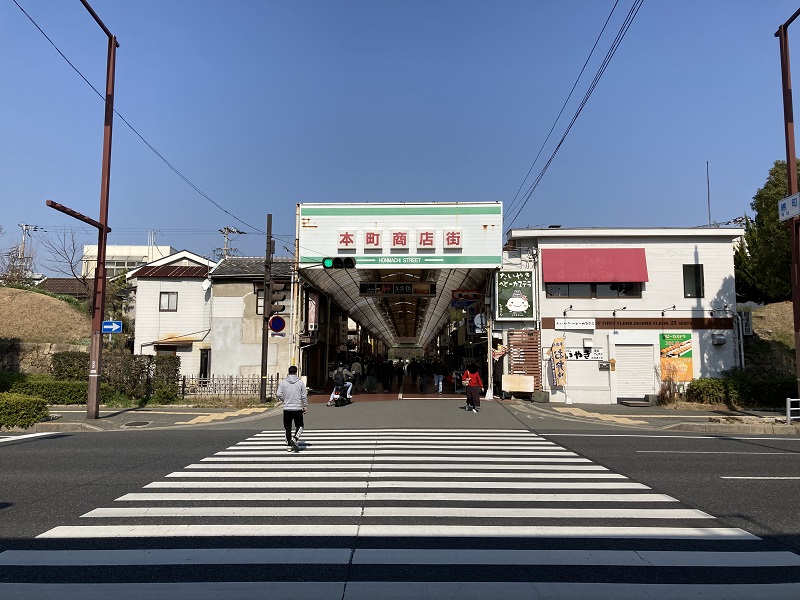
593, 290
168, 302
693, 281
260, 302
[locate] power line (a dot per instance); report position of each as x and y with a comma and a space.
615, 44
574, 85
133, 129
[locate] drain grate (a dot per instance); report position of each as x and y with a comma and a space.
137, 424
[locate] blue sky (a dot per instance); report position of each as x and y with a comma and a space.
264, 104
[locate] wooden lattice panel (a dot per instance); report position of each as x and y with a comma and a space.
525, 354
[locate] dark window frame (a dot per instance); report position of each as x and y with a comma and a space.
635, 291
168, 295
694, 281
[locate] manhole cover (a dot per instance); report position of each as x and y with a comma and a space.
137, 424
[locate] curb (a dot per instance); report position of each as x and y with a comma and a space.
750, 428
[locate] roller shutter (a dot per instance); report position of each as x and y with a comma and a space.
635, 372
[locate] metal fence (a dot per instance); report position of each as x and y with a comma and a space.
227, 385
792, 410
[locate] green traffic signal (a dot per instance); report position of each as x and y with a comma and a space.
339, 263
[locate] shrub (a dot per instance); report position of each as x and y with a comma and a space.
18, 410
72, 366
55, 391
713, 391
128, 373
8, 379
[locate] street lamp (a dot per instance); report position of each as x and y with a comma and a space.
791, 175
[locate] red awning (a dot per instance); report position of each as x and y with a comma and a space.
597, 265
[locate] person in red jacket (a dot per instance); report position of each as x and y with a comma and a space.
472, 381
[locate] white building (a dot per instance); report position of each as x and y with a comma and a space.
122, 258
173, 310
624, 307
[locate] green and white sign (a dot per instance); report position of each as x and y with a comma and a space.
515, 296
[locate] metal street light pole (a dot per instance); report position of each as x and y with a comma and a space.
99, 295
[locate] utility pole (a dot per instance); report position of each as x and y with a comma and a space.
265, 312
227, 232
791, 175
24, 265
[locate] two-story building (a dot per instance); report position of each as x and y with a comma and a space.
612, 313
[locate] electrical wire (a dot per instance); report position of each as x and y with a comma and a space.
569, 96
133, 129
615, 44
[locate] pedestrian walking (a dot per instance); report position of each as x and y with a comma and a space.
438, 376
399, 373
472, 381
412, 370
358, 373
423, 374
294, 395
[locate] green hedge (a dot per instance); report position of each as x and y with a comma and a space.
18, 410
55, 391
136, 376
740, 388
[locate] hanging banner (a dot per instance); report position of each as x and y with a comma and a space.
676, 356
558, 359
515, 295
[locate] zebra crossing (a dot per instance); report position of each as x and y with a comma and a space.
396, 514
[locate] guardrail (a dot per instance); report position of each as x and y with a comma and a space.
227, 385
792, 410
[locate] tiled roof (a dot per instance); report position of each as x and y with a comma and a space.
68, 286
170, 272
250, 267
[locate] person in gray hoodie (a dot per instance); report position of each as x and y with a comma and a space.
294, 395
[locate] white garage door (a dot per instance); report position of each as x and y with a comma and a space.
635, 373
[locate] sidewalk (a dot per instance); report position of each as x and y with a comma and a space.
709, 420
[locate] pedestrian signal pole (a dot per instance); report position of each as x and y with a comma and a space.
266, 310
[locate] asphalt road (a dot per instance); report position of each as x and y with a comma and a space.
405, 499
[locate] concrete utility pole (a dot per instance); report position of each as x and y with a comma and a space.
791, 174
227, 232
266, 310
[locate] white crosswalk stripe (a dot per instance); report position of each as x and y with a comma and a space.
397, 513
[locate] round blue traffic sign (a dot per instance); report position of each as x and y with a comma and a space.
276, 323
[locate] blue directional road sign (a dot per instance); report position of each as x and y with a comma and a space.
112, 326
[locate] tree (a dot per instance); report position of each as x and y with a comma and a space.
763, 260
66, 256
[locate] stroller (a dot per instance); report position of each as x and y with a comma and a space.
339, 396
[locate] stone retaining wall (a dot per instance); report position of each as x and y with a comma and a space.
21, 357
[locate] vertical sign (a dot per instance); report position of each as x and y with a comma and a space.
676, 356
558, 359
515, 295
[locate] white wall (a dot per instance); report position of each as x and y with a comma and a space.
191, 320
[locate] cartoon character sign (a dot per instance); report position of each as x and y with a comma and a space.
518, 303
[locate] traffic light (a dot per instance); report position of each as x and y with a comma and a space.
339, 263
277, 296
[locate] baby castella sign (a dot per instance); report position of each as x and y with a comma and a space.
515, 295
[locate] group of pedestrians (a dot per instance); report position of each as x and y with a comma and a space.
294, 394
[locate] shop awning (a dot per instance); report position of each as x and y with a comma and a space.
596, 265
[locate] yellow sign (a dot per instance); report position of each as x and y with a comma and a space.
558, 358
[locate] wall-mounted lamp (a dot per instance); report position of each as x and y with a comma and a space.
614, 312
663, 312
569, 308
718, 309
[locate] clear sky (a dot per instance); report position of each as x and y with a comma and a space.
262, 104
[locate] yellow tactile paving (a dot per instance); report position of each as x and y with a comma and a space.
579, 412
208, 418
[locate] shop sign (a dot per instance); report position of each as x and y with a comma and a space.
575, 323
584, 353
558, 361
676, 356
397, 289
515, 295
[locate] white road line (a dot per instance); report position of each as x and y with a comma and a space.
411, 556
399, 511
717, 437
26, 436
410, 446
764, 478
459, 453
261, 471
401, 456
432, 466
367, 530
394, 497
372, 485
718, 452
